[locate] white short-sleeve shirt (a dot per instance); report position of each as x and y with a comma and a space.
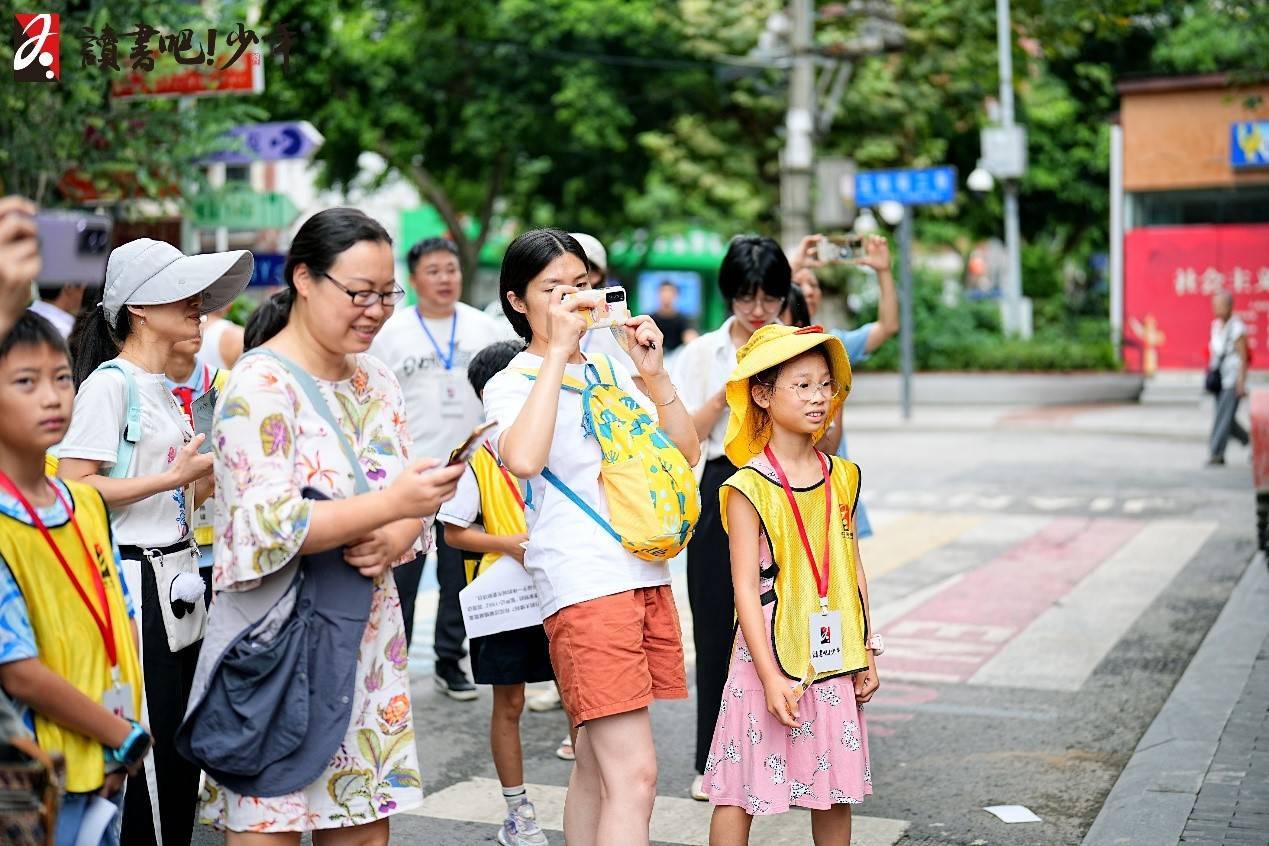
571, 557
95, 431
701, 369
464, 509
1224, 342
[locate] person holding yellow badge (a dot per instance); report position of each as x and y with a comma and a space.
791, 729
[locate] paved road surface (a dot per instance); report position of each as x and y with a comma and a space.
1042, 578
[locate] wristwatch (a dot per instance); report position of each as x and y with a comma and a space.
133, 749
875, 645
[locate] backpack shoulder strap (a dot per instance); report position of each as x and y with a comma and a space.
580, 503
604, 358
131, 425
566, 384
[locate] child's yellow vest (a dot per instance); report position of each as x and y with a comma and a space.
501, 512
68, 640
796, 595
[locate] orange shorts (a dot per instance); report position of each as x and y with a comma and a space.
615, 654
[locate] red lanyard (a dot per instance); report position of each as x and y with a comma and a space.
106, 625
511, 480
185, 394
821, 577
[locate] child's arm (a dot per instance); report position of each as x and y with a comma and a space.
475, 539
32, 682
866, 684
743, 527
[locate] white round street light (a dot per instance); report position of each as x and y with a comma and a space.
892, 212
980, 181
865, 222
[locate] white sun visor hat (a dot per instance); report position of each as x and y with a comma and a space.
594, 250
149, 272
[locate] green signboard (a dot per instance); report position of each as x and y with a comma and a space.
243, 209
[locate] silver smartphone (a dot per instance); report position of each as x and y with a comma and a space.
73, 247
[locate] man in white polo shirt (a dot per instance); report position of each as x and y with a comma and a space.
428, 348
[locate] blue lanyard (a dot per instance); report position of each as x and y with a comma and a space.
453, 329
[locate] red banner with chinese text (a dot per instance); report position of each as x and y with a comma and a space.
1170, 275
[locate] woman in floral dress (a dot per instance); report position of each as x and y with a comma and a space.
270, 443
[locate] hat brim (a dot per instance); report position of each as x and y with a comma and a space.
219, 277
747, 433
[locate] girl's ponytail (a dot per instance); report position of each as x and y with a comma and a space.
269, 319
94, 341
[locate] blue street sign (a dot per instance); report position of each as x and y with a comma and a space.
293, 139
917, 187
268, 269
1249, 144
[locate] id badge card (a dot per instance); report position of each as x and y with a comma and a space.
824, 633
453, 403
118, 700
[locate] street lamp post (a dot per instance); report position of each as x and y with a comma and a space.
1015, 321
798, 157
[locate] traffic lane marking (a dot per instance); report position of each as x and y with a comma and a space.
953, 633
905, 539
1064, 645
683, 822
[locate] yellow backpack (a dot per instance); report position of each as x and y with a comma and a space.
652, 495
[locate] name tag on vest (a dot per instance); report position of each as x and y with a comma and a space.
824, 634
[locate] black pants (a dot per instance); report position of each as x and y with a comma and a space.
452, 577
168, 677
710, 595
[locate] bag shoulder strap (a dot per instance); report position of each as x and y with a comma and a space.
132, 422
606, 359
568, 383
314, 394
559, 485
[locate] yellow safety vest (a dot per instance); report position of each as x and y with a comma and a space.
201, 521
68, 639
796, 594
500, 511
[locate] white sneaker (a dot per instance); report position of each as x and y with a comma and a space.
520, 828
698, 789
547, 700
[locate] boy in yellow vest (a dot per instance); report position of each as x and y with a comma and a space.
486, 516
68, 647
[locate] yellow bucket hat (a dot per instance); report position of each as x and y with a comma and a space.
747, 432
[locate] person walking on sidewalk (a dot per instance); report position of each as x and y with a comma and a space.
428, 348
754, 279
791, 732
1226, 375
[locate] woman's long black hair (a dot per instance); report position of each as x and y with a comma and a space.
317, 246
525, 258
94, 341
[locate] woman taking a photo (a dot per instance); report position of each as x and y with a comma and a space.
609, 613
274, 438
130, 440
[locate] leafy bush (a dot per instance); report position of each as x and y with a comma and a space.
968, 336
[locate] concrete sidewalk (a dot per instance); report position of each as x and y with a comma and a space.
1201, 772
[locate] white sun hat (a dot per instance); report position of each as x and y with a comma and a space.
594, 250
149, 272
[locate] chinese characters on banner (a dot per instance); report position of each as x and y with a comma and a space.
1170, 275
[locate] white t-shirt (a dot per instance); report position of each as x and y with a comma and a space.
464, 508
95, 431
1224, 342
572, 559
700, 370
440, 405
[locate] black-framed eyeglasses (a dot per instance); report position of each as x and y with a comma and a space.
365, 299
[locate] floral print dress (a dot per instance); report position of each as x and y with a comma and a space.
269, 444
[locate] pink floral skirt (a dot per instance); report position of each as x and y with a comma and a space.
759, 764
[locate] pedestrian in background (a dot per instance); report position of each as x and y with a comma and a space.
222, 341
274, 438
754, 279
428, 348
131, 441
1226, 375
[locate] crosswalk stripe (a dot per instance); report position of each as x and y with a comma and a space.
904, 539
1063, 646
683, 822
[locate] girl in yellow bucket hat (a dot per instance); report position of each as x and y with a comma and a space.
791, 728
